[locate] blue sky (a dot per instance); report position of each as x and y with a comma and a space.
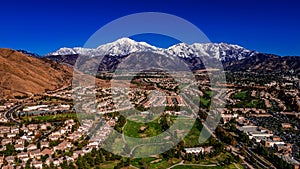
268, 26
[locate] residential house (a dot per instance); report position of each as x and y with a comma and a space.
77, 153
283, 148
49, 160
267, 142
286, 125
45, 126
8, 167
54, 137
11, 135
33, 127
35, 154
22, 155
4, 129
37, 164
14, 130
63, 146
6, 141
19, 147
44, 144
20, 141
47, 151
10, 159
31, 147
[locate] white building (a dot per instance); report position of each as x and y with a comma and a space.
195, 150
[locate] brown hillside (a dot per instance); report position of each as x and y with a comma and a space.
21, 74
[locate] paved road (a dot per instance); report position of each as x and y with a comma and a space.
200, 165
235, 152
135, 147
9, 114
261, 162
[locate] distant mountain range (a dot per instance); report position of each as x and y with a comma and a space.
233, 57
29, 53
23, 73
125, 46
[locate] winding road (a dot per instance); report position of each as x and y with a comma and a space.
200, 165
9, 114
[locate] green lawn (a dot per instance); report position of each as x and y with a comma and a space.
204, 102
208, 93
251, 103
117, 145
50, 118
192, 138
240, 95
247, 101
108, 164
132, 129
139, 118
159, 163
219, 159
155, 163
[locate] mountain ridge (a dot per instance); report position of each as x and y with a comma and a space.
125, 46
21, 74
233, 57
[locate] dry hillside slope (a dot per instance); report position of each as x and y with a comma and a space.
21, 74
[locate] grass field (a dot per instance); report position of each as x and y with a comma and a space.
57, 117
204, 101
192, 138
147, 149
139, 119
108, 164
117, 145
51, 118
132, 129
231, 166
213, 160
240, 95
153, 128
155, 163
247, 101
158, 163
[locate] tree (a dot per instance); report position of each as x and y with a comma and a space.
38, 145
10, 150
26, 143
98, 159
243, 151
44, 158
165, 122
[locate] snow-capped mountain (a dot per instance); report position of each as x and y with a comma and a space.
221, 51
125, 46
72, 51
121, 47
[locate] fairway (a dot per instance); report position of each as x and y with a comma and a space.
142, 130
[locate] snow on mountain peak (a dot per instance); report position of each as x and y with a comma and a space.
125, 46
120, 47
221, 51
71, 51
